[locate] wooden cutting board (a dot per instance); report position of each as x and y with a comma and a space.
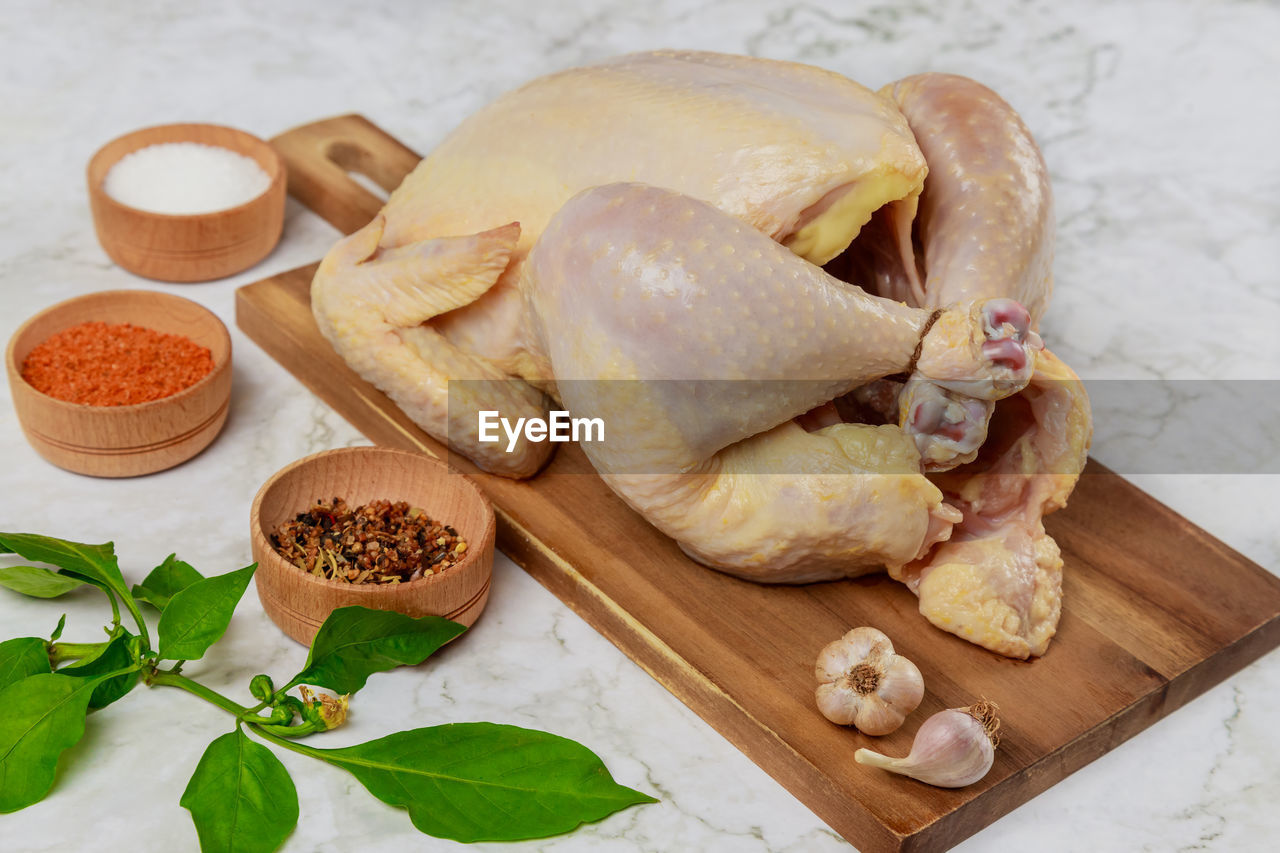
1156, 610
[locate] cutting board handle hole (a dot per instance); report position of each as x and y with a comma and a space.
363, 168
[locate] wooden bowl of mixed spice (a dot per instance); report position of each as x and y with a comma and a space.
386, 529
187, 202
120, 383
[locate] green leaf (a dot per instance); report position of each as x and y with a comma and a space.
197, 617
40, 716
57, 632
93, 563
355, 642
21, 658
120, 653
37, 582
165, 581
241, 797
486, 782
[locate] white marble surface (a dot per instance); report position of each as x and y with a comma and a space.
1158, 121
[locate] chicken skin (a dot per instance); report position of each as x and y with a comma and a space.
642, 241
986, 230
702, 440
800, 154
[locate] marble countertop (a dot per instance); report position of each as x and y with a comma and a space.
1158, 124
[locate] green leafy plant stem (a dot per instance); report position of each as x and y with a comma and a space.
267, 733
166, 677
107, 676
470, 782
60, 652
115, 607
173, 679
136, 613
133, 611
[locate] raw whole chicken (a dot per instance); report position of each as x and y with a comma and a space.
601, 232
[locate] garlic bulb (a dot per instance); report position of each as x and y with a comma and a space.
953, 748
865, 685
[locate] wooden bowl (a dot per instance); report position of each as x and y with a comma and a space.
123, 441
188, 247
299, 602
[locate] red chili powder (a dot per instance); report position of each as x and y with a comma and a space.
103, 364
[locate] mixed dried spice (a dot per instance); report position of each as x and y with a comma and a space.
377, 542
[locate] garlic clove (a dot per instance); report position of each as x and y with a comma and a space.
838, 705
855, 647
902, 685
953, 748
877, 718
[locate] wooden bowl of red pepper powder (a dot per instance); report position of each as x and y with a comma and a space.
120, 383
383, 528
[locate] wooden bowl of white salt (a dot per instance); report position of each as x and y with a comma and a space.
187, 202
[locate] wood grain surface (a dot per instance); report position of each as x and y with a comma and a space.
1156, 610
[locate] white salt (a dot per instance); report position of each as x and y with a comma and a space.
185, 177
